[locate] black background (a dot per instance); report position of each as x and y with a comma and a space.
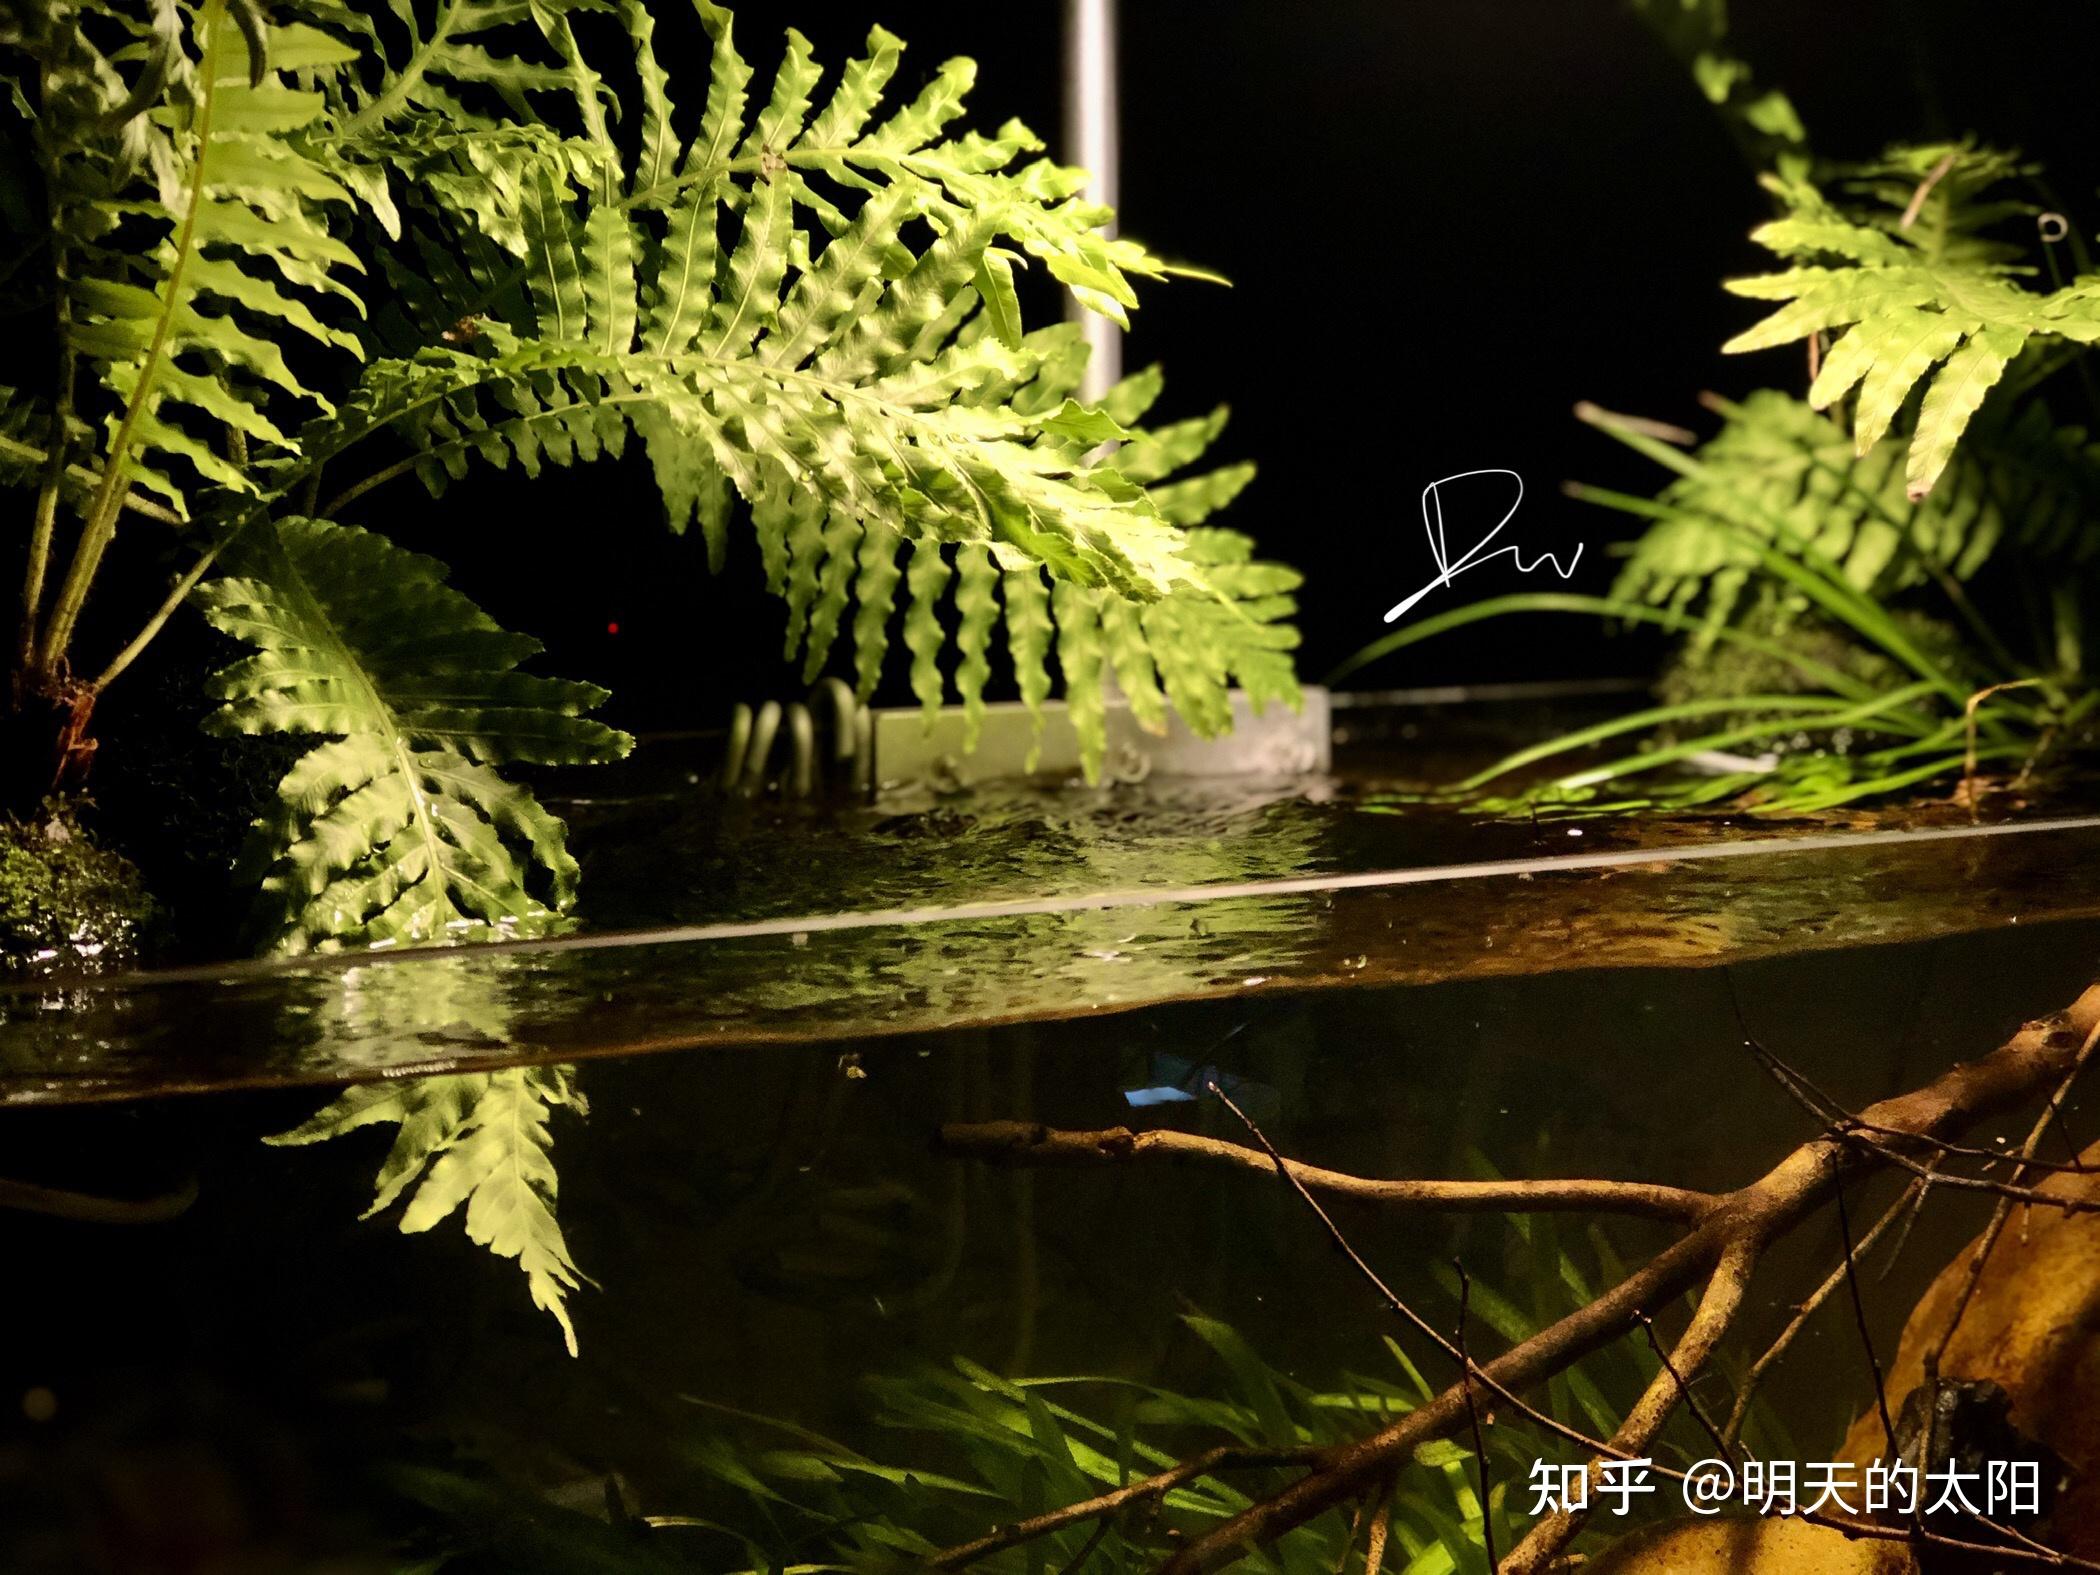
1446, 221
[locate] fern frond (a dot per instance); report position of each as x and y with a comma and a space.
1028, 635
862, 383
977, 612
1079, 656
467, 63
25, 437
1920, 291
1778, 475
399, 829
1762, 120
184, 331
475, 1139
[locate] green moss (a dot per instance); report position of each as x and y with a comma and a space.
63, 896
1725, 670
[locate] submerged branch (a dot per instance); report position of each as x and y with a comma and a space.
1130, 1495
1030, 1143
1720, 1250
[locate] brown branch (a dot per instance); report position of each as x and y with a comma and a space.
1807, 1310
1741, 1222
1030, 1143
1381, 1528
1715, 1314
1999, 1215
1727, 1234
1142, 1491
1850, 1129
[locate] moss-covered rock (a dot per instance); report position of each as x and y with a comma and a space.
1726, 671
64, 898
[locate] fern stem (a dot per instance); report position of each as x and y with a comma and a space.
407, 78
44, 524
174, 599
108, 501
358, 489
80, 479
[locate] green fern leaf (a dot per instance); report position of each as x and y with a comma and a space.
1123, 633
862, 389
1028, 636
842, 536
399, 830
476, 1139
243, 214
1079, 655
1953, 400
1778, 474
1925, 296
926, 579
977, 611
874, 594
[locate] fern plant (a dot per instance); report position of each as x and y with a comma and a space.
1845, 551
298, 255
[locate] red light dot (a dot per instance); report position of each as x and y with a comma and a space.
612, 628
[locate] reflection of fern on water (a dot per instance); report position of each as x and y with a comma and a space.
481, 1140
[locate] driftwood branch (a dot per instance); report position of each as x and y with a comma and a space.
1725, 1237
1030, 1143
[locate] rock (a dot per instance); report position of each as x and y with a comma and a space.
1749, 1547
2031, 1329
66, 901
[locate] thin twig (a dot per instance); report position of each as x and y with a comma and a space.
1472, 1370
1807, 1310
1086, 1549
1968, 769
1030, 1143
1145, 1489
1480, 1453
1937, 174
1684, 1390
1851, 1132
1859, 1315
1820, 1103
1921, 1191
1973, 1275
1356, 1525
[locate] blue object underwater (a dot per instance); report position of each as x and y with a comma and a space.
1171, 1080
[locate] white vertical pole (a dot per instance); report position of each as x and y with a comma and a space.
1091, 141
